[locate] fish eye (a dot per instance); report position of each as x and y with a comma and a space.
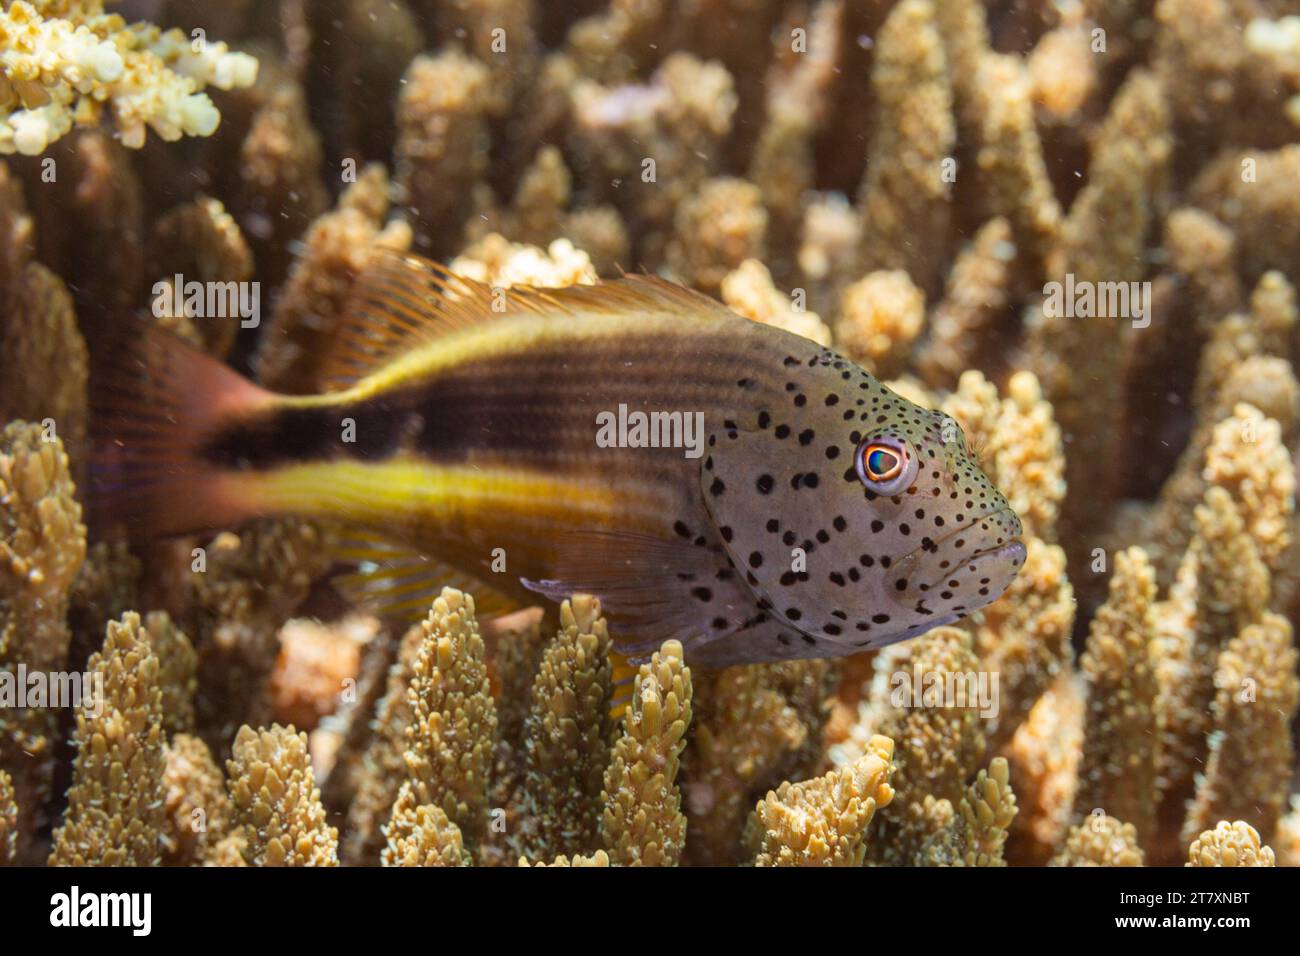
886, 464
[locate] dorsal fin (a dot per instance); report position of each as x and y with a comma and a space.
402, 301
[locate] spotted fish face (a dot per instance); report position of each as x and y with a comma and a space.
858, 518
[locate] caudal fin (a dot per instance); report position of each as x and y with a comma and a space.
156, 402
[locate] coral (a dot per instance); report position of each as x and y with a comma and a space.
643, 824
42, 545
1230, 844
749, 291
1018, 443
1248, 771
115, 814
1078, 360
63, 62
46, 363
598, 859
501, 264
1025, 637
748, 733
1246, 457
905, 196
8, 821
975, 298
244, 586
1100, 840
566, 735
1117, 771
928, 705
421, 835
1045, 752
823, 822
452, 731
441, 126
879, 318
276, 803
198, 811
198, 241
719, 226
977, 834
335, 249
315, 665
382, 768
177, 672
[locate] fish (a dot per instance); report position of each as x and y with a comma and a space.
712, 480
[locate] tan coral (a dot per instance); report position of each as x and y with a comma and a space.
421, 835
1025, 636
1230, 844
823, 822
452, 733
749, 290
177, 672
716, 229
880, 317
276, 801
905, 195
1100, 840
310, 307
1248, 458
8, 821
566, 736
115, 814
441, 129
976, 296
1117, 772
42, 545
198, 811
1248, 772
643, 824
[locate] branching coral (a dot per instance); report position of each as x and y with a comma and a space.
823, 822
198, 811
1117, 773
1100, 840
566, 735
115, 813
1230, 844
62, 62
277, 805
452, 732
42, 545
8, 821
643, 824
421, 834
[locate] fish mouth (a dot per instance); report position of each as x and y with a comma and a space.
1015, 539
1009, 552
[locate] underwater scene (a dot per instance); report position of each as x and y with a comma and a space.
649, 433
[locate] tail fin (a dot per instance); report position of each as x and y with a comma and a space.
155, 402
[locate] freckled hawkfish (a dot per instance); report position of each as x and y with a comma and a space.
714, 480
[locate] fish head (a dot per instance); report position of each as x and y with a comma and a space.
858, 517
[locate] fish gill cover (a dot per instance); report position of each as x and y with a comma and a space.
1055, 244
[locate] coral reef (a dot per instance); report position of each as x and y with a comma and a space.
62, 62
1086, 257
